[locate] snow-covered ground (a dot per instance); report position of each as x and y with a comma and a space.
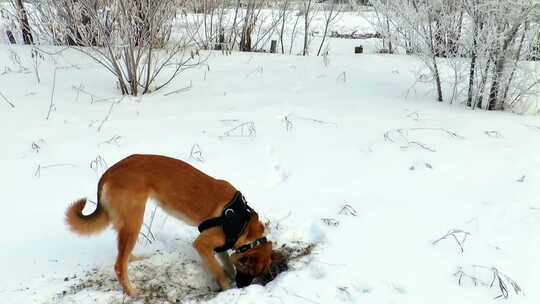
340, 153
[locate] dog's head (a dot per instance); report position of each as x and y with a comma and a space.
252, 263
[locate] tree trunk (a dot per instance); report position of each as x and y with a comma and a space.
306, 26
325, 33
437, 80
281, 33
306, 33
232, 42
25, 26
493, 100
472, 69
390, 47
495, 103
293, 34
436, 73
482, 85
516, 61
245, 39
11, 37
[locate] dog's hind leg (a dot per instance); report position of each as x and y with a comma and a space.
128, 233
126, 243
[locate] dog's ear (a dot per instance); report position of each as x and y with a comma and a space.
255, 229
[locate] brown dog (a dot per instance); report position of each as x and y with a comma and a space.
185, 193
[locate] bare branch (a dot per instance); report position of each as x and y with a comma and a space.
7, 100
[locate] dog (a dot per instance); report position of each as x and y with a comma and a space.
224, 219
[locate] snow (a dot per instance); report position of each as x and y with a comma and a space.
313, 141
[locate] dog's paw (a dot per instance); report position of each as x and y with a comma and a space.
133, 293
224, 285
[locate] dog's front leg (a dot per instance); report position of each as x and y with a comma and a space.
227, 264
205, 245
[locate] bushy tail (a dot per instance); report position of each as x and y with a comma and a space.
89, 224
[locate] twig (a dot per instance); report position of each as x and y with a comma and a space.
342, 77
37, 173
150, 237
147, 238
36, 145
500, 278
51, 105
184, 89
246, 129
493, 133
414, 116
421, 145
537, 128
319, 121
306, 299
288, 123
109, 113
348, 210
36, 57
7, 100
80, 89
196, 153
451, 133
403, 133
330, 222
98, 164
257, 70
453, 233
461, 274
115, 140
149, 230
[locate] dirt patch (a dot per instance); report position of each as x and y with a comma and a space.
167, 278
286, 258
161, 278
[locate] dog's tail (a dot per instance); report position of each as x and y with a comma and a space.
90, 224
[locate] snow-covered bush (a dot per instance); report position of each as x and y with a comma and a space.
496, 35
131, 39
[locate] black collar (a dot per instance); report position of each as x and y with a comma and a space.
252, 245
234, 220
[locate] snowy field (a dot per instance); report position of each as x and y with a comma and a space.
341, 153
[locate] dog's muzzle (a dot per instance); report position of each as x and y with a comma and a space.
243, 279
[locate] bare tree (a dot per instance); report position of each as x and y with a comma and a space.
502, 37
330, 14
506, 34
249, 21
418, 18
285, 9
308, 12
238, 24
130, 38
497, 35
